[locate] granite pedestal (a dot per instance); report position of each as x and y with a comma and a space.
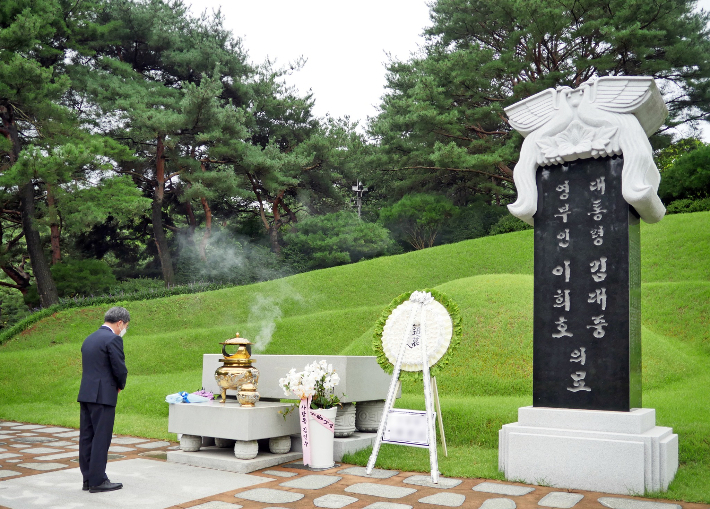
613, 452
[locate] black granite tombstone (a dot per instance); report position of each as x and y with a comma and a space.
587, 329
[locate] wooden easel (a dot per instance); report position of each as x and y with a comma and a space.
430, 388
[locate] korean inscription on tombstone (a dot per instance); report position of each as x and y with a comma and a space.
585, 176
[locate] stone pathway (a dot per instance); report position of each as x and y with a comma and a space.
50, 454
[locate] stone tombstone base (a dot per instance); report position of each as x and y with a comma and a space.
623, 453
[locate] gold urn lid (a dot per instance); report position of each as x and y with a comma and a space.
241, 356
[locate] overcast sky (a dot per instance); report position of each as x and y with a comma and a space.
346, 44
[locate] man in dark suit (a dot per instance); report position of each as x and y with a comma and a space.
103, 377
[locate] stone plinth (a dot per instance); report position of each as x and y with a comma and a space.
613, 452
232, 421
223, 459
361, 378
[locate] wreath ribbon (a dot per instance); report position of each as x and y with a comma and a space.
304, 411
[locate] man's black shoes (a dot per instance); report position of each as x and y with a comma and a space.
106, 486
85, 486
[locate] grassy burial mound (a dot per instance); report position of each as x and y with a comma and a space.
333, 311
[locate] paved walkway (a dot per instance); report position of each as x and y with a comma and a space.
38, 468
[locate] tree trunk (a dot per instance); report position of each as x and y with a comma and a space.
208, 229
46, 288
161, 241
208, 222
45, 284
53, 226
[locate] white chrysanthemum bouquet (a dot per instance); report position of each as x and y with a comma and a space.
316, 381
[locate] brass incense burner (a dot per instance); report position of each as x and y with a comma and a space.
236, 372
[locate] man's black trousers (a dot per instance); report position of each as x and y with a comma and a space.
96, 427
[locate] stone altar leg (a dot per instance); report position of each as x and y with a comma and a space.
345, 421
246, 450
280, 445
190, 443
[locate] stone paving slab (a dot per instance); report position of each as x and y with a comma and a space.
279, 473
61, 456
560, 500
425, 480
42, 466
217, 505
379, 490
503, 489
498, 503
8, 473
34, 440
148, 484
7, 455
625, 503
334, 501
153, 445
444, 499
62, 443
40, 450
28, 426
68, 434
119, 448
387, 505
270, 496
9, 424
56, 430
377, 473
128, 440
311, 482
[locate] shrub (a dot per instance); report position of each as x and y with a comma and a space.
82, 277
507, 224
334, 239
687, 205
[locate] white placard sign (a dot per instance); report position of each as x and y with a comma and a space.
406, 427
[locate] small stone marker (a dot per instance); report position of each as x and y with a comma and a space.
377, 473
503, 489
334, 501
379, 490
560, 500
425, 480
270, 496
311, 482
444, 499
498, 503
627, 503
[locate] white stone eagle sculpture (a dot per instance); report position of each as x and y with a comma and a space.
603, 117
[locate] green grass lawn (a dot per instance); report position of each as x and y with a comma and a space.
333, 311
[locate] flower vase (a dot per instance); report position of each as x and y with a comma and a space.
322, 439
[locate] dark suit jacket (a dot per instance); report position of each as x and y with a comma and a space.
103, 368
